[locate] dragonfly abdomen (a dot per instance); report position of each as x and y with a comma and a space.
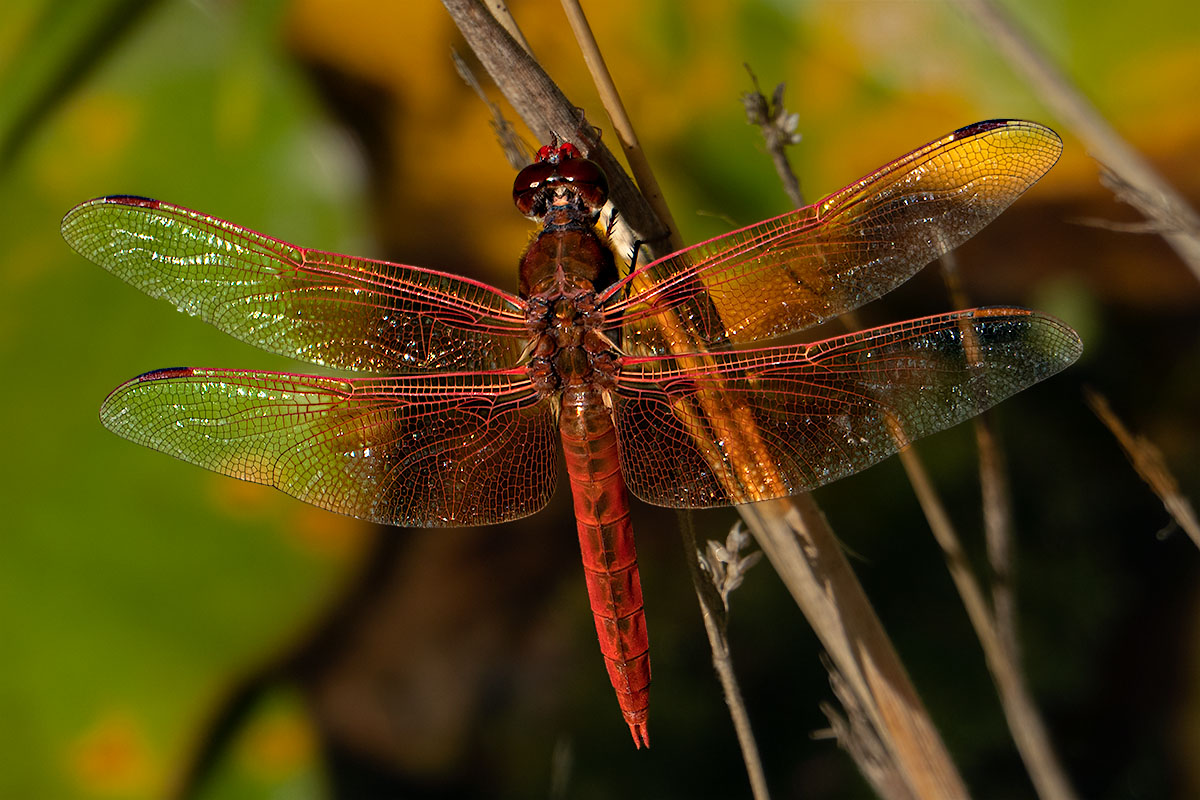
609, 557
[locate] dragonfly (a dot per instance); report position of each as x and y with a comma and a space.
459, 390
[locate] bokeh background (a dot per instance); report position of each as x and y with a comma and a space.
139, 594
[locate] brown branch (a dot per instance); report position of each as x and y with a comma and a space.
515, 151
801, 547
778, 127
857, 736
998, 533
1141, 226
996, 628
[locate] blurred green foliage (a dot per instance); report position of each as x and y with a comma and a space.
131, 589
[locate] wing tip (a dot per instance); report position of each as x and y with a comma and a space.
75, 237
164, 373
1063, 344
1047, 137
116, 200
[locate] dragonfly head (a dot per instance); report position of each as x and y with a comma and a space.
560, 177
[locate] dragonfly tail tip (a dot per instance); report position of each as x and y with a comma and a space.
641, 734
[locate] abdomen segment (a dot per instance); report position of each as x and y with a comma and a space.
609, 557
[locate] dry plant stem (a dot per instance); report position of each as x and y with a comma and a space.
997, 528
772, 119
1176, 221
997, 508
515, 151
560, 769
996, 516
793, 534
783, 168
1026, 725
611, 98
1148, 461
713, 614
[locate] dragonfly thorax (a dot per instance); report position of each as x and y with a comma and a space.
561, 273
567, 348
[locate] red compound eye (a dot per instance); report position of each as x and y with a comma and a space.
529, 183
587, 178
558, 166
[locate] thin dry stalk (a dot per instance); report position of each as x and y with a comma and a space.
539, 102
996, 628
801, 547
997, 509
515, 151
1026, 725
500, 11
611, 99
794, 535
1157, 200
778, 128
997, 531
562, 760
1149, 463
725, 568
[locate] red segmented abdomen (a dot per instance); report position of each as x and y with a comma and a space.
609, 558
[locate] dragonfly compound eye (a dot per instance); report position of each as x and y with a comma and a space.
587, 178
530, 183
584, 177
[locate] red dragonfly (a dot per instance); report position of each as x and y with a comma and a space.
469, 384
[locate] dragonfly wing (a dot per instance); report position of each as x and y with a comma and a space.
802, 268
339, 311
712, 429
445, 450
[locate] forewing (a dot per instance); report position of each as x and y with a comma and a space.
339, 311
444, 451
802, 268
735, 427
